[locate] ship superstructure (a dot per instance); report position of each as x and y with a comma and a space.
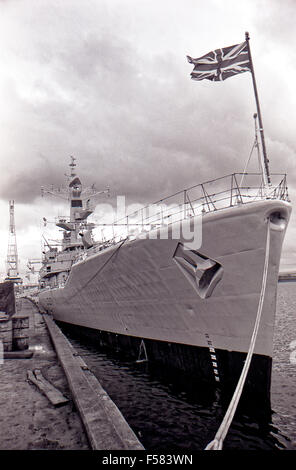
77, 233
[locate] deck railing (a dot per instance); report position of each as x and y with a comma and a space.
213, 195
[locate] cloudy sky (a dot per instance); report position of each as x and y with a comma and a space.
108, 82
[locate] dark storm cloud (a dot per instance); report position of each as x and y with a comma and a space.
136, 123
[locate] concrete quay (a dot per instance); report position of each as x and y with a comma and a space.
29, 421
105, 425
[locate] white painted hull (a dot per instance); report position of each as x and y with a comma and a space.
137, 289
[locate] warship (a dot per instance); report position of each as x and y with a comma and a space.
189, 281
188, 303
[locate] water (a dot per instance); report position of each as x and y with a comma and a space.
169, 413
284, 364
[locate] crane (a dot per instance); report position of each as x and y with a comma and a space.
12, 256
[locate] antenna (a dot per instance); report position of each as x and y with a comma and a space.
72, 166
260, 162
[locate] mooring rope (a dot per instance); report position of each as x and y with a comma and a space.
217, 442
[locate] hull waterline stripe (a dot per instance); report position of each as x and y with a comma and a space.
213, 358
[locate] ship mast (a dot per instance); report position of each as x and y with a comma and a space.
75, 189
72, 165
80, 208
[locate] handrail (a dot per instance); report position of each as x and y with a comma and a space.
279, 191
156, 214
202, 185
190, 202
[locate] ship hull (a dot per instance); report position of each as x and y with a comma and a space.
194, 307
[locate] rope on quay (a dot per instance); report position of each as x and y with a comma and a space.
217, 442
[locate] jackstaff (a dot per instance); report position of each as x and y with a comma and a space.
266, 161
220, 64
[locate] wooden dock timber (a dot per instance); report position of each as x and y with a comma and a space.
52, 393
29, 421
105, 426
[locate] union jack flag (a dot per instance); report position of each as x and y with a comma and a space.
222, 63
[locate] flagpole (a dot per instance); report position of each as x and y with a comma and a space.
258, 111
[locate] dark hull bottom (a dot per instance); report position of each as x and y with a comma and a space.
192, 363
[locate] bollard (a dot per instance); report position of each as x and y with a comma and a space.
5, 331
20, 336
